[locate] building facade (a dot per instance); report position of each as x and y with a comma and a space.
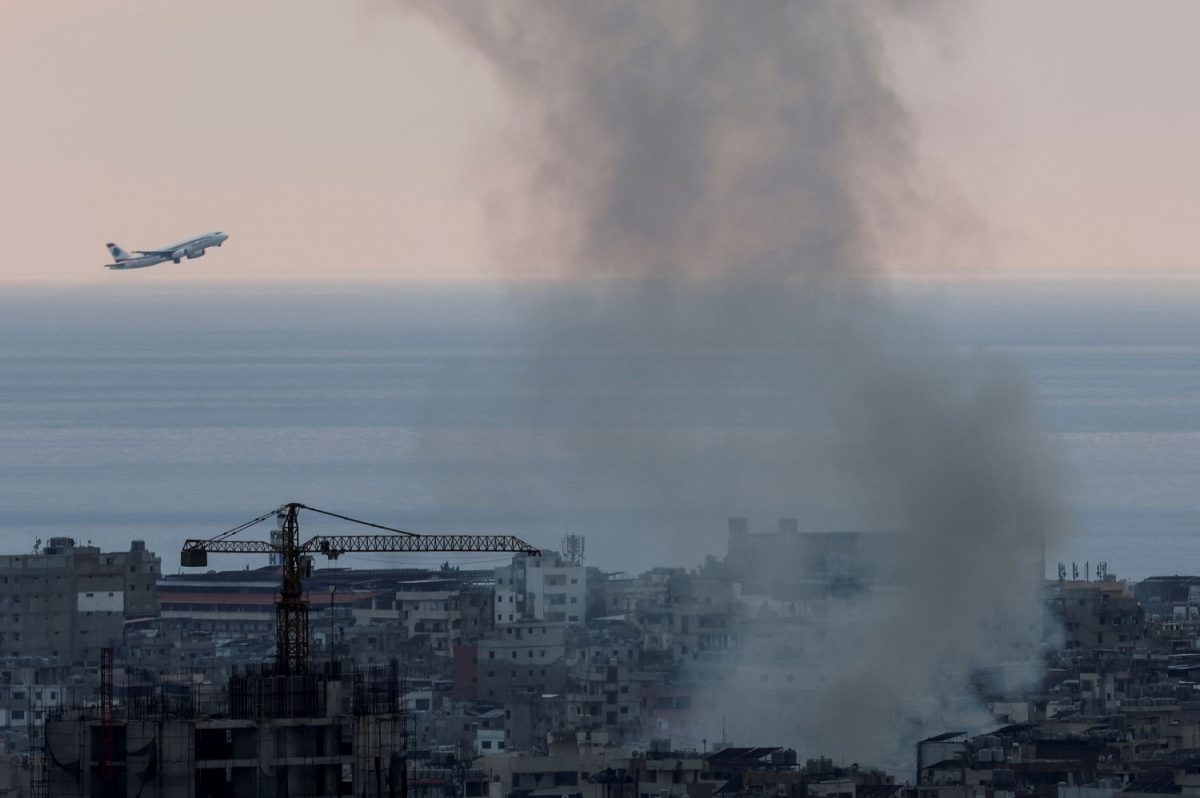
68, 602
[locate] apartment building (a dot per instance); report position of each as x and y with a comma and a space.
67, 601
545, 588
1098, 615
447, 612
522, 657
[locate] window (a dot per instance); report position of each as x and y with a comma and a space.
18, 714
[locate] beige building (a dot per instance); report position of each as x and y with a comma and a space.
68, 601
446, 613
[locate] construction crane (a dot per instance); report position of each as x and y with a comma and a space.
291, 609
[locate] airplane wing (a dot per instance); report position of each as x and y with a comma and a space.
165, 253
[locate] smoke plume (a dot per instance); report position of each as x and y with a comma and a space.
714, 180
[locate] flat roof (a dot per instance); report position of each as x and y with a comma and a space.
944, 736
264, 598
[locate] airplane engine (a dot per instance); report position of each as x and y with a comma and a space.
195, 253
179, 253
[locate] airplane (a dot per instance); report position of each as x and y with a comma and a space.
189, 248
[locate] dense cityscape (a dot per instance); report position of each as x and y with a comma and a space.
547, 676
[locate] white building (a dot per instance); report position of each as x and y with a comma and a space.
545, 588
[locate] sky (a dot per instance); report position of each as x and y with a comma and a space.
349, 142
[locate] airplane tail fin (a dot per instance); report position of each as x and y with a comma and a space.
117, 253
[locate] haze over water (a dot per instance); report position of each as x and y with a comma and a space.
166, 416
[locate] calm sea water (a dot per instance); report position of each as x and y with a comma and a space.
172, 415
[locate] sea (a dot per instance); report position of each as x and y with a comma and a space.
178, 412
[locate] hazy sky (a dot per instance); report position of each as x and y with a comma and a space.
345, 141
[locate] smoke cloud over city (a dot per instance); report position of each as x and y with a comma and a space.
715, 180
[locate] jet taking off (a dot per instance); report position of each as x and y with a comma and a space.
190, 248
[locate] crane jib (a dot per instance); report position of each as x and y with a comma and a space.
335, 545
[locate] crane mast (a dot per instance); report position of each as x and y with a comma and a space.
291, 609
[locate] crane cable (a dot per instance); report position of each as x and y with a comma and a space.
280, 508
246, 525
364, 523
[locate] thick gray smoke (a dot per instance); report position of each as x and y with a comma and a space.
715, 178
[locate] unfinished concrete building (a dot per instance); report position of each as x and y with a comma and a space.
260, 735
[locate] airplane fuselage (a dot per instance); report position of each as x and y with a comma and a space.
137, 263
